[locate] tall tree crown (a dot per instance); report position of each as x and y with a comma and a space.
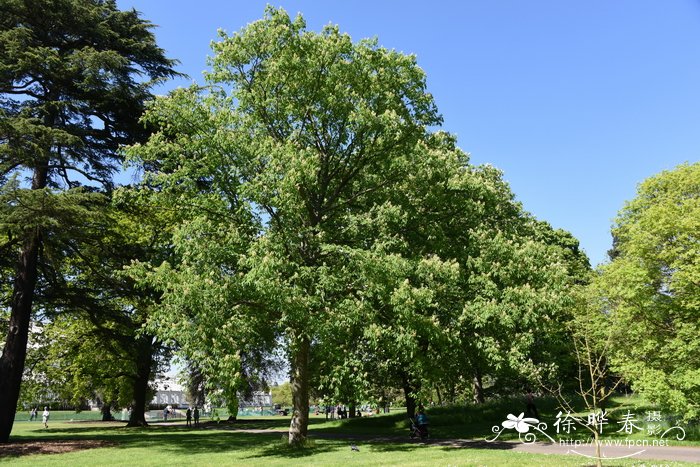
323, 115
73, 78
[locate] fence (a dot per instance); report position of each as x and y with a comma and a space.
151, 415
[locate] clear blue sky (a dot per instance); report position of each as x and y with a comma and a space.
576, 101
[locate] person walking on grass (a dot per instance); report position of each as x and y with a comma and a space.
45, 417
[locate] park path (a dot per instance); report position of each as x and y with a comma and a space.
672, 453
665, 453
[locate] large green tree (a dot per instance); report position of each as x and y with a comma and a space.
651, 290
328, 124
74, 75
99, 299
315, 124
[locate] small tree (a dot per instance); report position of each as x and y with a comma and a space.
592, 338
282, 394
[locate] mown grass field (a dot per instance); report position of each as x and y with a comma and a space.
228, 444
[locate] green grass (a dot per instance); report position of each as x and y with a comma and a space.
227, 444
161, 445
464, 422
63, 415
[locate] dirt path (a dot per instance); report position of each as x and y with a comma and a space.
26, 447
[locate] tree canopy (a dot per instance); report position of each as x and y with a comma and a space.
651, 290
317, 207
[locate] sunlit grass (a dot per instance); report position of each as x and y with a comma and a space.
382, 439
175, 445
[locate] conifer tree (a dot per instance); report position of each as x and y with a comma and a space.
74, 76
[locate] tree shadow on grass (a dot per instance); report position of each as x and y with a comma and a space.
255, 424
281, 449
197, 442
474, 444
391, 447
177, 440
180, 440
446, 444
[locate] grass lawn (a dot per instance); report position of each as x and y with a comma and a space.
226, 444
475, 422
170, 445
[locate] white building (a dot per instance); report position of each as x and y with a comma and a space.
257, 399
169, 392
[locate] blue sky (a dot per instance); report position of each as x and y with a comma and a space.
576, 101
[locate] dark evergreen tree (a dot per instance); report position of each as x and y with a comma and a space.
74, 77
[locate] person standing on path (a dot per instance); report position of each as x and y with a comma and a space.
188, 416
45, 417
196, 416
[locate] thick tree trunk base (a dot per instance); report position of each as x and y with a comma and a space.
144, 361
411, 402
137, 424
353, 412
299, 425
107, 413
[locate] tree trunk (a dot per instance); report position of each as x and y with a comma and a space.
352, 410
300, 391
195, 388
144, 363
107, 412
478, 388
410, 399
596, 440
232, 404
15, 351
452, 394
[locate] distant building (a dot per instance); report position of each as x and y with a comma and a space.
257, 399
168, 392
